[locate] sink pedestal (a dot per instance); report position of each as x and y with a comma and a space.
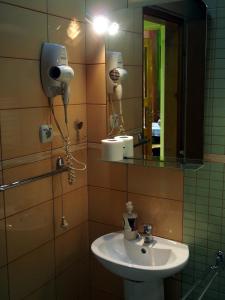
152, 290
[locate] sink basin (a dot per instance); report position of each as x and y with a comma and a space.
136, 261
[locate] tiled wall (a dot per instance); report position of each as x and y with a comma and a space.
39, 259
204, 214
157, 194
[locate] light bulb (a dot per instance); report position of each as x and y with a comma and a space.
100, 24
113, 28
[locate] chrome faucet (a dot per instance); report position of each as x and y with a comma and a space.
147, 234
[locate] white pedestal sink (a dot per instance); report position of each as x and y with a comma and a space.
142, 266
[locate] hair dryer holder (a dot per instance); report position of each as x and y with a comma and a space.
55, 72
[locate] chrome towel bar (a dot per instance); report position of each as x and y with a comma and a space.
60, 168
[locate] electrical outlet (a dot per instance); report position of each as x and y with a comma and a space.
114, 121
46, 134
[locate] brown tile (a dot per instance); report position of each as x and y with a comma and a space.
3, 257
20, 131
4, 284
164, 215
33, 227
132, 85
101, 202
68, 9
26, 90
172, 289
75, 205
71, 246
95, 47
31, 194
69, 33
60, 182
108, 175
45, 292
96, 84
95, 7
104, 280
98, 229
132, 112
125, 17
2, 211
123, 42
76, 114
158, 182
73, 283
37, 268
27, 29
40, 5
96, 115
77, 86
100, 295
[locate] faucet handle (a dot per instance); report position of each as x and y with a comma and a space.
148, 229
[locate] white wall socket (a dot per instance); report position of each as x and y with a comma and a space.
46, 133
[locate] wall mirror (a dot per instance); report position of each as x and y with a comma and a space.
163, 45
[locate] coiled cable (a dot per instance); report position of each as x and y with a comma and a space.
70, 159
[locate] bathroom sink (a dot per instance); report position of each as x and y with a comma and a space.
136, 261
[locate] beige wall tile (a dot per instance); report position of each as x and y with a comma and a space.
95, 7
37, 268
33, 227
101, 202
4, 284
76, 114
19, 32
77, 86
104, 280
40, 5
3, 258
75, 206
71, 246
96, 84
68, 9
164, 215
80, 181
31, 194
95, 47
98, 229
73, 284
20, 131
96, 115
25, 90
103, 174
69, 33
158, 182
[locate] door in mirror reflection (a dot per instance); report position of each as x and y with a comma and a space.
162, 62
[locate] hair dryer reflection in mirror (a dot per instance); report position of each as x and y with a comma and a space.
115, 74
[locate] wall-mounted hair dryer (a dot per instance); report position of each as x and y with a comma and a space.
115, 71
55, 72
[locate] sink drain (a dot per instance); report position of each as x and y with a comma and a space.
143, 250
